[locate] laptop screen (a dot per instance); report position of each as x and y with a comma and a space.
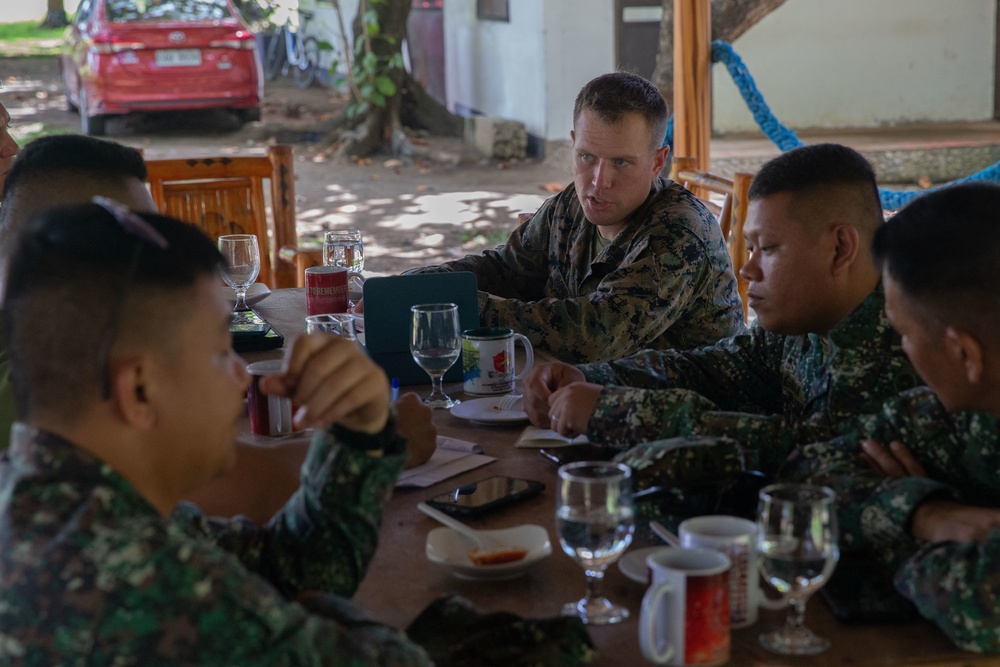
387, 318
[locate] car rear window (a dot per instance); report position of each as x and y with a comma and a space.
122, 11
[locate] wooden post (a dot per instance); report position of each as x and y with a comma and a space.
737, 242
693, 80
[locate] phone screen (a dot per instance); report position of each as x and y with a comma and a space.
485, 494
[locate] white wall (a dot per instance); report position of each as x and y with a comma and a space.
819, 63
531, 68
864, 63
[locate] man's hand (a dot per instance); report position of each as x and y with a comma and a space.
332, 381
415, 425
945, 520
539, 385
896, 461
570, 408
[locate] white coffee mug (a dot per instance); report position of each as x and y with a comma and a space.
685, 612
737, 538
488, 360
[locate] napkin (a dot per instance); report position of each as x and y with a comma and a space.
532, 436
452, 456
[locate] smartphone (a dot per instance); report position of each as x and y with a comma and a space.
859, 591
485, 495
254, 333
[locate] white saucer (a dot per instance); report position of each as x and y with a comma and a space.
484, 411
450, 550
633, 564
255, 293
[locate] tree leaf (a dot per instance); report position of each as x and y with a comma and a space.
385, 86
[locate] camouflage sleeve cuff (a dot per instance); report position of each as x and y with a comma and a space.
625, 416
599, 373
886, 519
387, 440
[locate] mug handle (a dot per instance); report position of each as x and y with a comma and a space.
528, 353
651, 603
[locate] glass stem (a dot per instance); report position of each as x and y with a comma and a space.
241, 299
595, 582
437, 388
796, 613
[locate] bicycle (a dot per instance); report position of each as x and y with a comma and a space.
286, 50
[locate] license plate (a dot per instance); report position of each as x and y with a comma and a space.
178, 57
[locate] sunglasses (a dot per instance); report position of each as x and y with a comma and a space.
143, 233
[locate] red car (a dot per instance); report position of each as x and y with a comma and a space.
155, 55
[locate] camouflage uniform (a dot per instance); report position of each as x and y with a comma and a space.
954, 584
665, 281
767, 391
90, 573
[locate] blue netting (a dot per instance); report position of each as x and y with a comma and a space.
785, 139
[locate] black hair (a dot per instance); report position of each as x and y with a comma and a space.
75, 273
815, 165
611, 96
943, 251
840, 175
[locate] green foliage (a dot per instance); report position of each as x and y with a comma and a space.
370, 76
28, 38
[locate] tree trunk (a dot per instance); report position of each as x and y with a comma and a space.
55, 15
381, 128
730, 19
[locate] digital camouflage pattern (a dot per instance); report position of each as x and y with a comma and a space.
665, 281
769, 392
954, 584
91, 574
457, 634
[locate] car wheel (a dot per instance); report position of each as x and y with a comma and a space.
65, 84
248, 115
92, 126
305, 74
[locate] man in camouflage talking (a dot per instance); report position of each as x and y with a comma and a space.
621, 260
821, 349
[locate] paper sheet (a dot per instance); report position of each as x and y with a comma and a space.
543, 437
452, 457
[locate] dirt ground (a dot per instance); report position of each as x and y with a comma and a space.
444, 202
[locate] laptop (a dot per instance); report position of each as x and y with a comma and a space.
387, 318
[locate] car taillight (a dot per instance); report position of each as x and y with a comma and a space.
241, 39
106, 44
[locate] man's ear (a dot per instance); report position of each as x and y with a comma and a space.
660, 159
846, 248
130, 391
964, 348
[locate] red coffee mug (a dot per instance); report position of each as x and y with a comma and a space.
326, 289
269, 415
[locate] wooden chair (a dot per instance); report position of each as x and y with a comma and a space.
225, 195
732, 213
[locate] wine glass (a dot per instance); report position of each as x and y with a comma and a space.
594, 522
242, 266
797, 543
436, 343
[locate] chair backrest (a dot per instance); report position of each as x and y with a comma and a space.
226, 195
732, 212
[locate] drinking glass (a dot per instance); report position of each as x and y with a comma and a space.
594, 522
242, 266
436, 343
344, 247
338, 324
797, 543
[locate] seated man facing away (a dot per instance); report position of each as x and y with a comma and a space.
819, 351
621, 260
128, 411
71, 169
939, 529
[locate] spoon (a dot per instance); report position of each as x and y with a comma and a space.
483, 541
664, 534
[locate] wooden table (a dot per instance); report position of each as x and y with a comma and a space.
401, 581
